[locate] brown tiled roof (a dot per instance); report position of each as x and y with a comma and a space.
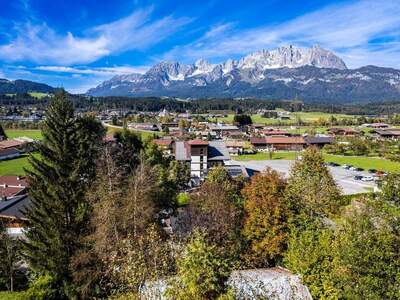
10, 144
198, 143
256, 140
12, 185
285, 140
163, 142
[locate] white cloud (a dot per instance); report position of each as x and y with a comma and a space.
41, 44
106, 71
347, 29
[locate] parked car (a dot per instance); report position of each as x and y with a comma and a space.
372, 171
359, 169
332, 164
347, 167
353, 169
367, 178
358, 177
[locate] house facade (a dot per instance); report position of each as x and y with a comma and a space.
201, 155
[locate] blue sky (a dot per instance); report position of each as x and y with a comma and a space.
79, 43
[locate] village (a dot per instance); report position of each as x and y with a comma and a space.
359, 152
202, 142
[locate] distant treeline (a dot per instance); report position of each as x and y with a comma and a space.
204, 105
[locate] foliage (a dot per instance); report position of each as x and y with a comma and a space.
390, 189
242, 120
140, 261
369, 256
182, 199
13, 296
211, 210
311, 253
266, 215
201, 273
311, 188
10, 261
45, 287
58, 181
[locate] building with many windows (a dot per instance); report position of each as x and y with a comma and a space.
201, 155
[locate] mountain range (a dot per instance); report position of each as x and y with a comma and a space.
23, 86
310, 74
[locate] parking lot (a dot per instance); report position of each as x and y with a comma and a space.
344, 178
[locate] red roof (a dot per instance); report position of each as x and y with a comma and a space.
12, 185
285, 140
256, 140
163, 142
198, 143
278, 140
10, 144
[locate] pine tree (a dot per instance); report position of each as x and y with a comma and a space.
58, 182
2, 133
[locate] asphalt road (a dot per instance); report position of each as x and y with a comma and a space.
343, 177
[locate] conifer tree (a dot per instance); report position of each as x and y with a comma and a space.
58, 181
3, 133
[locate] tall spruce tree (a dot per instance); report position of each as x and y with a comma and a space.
58, 182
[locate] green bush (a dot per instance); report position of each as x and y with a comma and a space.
13, 295
44, 288
182, 199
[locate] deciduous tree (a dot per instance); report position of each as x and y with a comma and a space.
311, 187
266, 218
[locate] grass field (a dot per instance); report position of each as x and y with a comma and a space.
304, 116
39, 95
356, 161
15, 166
143, 134
33, 134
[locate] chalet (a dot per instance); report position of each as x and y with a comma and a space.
12, 213
12, 143
274, 132
343, 131
170, 125
294, 143
9, 153
222, 129
318, 141
201, 155
165, 144
11, 186
393, 133
375, 125
235, 146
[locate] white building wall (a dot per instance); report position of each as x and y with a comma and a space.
195, 165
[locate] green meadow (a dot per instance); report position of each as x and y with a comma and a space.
33, 134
